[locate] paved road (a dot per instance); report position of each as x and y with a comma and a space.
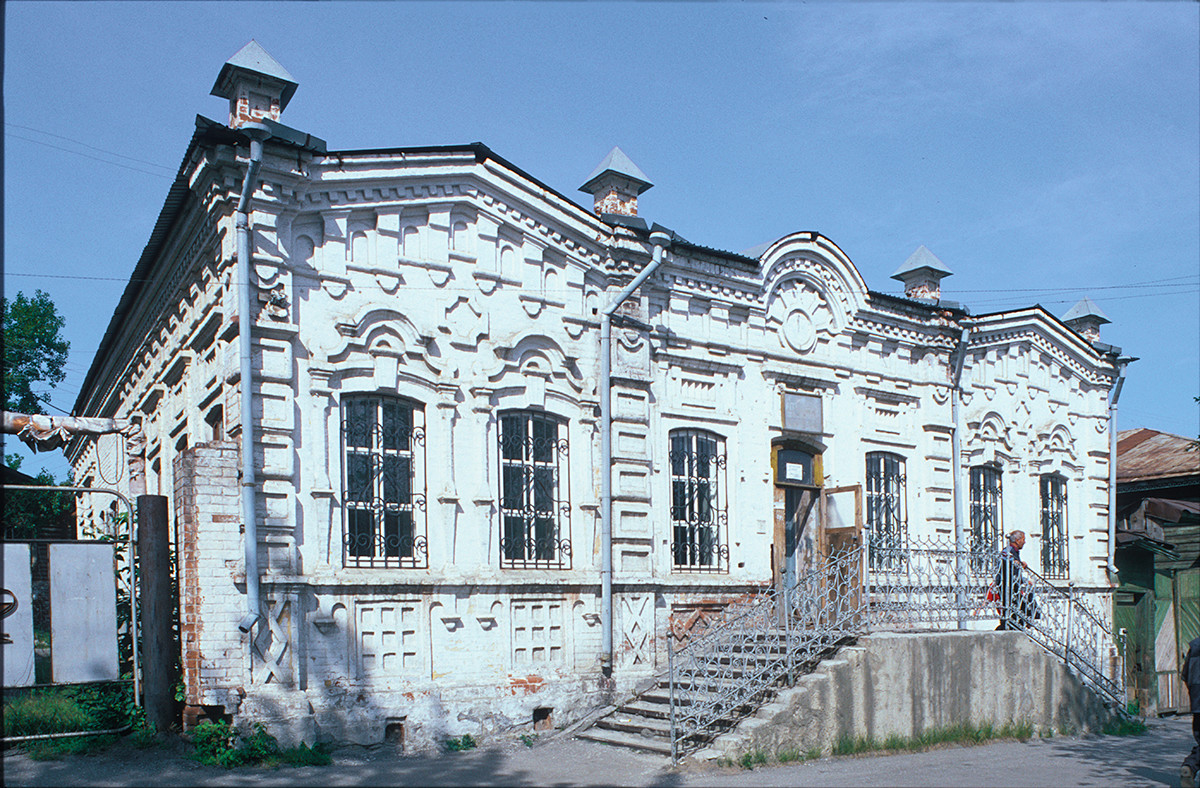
1149, 760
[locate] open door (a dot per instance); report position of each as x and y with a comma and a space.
796, 544
841, 518
841, 538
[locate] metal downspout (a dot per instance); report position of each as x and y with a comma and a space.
960, 355
245, 275
660, 240
1112, 466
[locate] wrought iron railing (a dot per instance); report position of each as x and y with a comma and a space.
769, 638
759, 642
1060, 622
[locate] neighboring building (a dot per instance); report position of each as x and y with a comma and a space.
426, 377
1158, 555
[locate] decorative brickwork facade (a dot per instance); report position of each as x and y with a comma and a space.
425, 380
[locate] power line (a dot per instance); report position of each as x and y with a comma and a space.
84, 144
1147, 283
87, 156
1018, 304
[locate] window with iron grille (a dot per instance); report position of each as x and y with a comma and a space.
987, 526
700, 541
1054, 525
383, 488
535, 504
886, 515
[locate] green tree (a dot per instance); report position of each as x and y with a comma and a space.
33, 514
34, 351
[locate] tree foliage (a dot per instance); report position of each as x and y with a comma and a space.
33, 514
34, 351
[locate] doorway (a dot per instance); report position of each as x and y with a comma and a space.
797, 471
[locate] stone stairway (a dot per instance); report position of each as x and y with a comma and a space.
644, 721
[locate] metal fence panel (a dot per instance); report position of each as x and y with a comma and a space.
18, 619
83, 613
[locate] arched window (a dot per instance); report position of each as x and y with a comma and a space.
383, 482
699, 524
987, 522
1054, 525
886, 509
535, 503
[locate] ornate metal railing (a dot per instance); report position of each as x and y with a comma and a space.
931, 584
764, 640
1061, 622
769, 638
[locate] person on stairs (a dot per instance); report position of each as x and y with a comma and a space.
1015, 596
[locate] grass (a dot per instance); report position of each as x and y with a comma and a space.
57, 749
950, 734
45, 712
103, 707
71, 710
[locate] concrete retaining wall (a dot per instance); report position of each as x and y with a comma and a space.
905, 684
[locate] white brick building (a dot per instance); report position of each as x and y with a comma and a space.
426, 379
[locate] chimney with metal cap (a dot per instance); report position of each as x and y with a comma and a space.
922, 275
255, 84
1085, 318
615, 185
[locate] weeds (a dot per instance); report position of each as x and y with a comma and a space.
851, 745
217, 744
951, 734
465, 742
528, 739
794, 754
1122, 726
751, 759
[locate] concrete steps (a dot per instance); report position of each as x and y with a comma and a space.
644, 721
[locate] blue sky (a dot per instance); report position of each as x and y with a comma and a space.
1042, 151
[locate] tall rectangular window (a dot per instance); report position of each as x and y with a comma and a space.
886, 517
700, 541
535, 505
1054, 525
383, 487
987, 525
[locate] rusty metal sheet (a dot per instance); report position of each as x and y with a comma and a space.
1149, 454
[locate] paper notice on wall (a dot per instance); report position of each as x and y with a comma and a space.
794, 472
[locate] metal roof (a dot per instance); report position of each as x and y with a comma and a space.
1085, 308
1149, 454
616, 161
253, 59
922, 258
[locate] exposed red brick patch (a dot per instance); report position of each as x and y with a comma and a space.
529, 684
